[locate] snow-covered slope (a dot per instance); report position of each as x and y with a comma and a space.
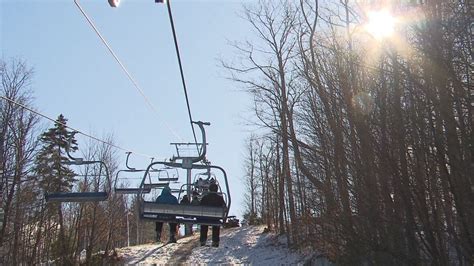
244, 245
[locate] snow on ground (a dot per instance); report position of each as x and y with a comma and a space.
155, 253
246, 245
243, 245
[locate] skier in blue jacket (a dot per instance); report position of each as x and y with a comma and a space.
168, 198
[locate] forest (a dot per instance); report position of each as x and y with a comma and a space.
32, 159
364, 148
365, 151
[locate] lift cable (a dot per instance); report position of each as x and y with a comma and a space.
76, 130
168, 4
148, 102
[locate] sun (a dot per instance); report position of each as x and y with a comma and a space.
380, 24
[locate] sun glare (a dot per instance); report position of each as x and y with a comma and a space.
380, 24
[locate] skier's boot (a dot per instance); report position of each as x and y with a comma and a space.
215, 244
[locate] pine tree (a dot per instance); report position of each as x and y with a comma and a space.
54, 175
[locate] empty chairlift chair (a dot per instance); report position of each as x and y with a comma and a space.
84, 196
120, 188
167, 177
163, 180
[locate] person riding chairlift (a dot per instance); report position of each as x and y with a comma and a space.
168, 198
215, 200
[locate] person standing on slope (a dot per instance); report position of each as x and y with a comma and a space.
215, 200
167, 198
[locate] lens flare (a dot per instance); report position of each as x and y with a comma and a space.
381, 24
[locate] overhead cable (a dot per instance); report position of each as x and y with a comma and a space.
78, 131
168, 4
135, 84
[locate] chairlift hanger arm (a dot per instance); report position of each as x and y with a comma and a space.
133, 169
126, 162
74, 160
107, 175
81, 161
202, 155
68, 147
153, 169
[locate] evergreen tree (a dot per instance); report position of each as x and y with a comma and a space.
54, 175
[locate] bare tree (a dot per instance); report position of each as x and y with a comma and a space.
17, 146
382, 159
274, 24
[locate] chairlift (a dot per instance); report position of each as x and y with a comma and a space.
188, 214
147, 187
174, 178
86, 196
129, 189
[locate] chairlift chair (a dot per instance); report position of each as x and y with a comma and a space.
86, 196
174, 178
188, 214
129, 189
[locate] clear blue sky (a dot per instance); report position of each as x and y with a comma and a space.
75, 75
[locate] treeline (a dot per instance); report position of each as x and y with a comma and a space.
32, 164
365, 151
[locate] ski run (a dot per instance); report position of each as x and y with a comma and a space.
242, 245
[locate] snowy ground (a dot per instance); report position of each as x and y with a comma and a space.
244, 245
